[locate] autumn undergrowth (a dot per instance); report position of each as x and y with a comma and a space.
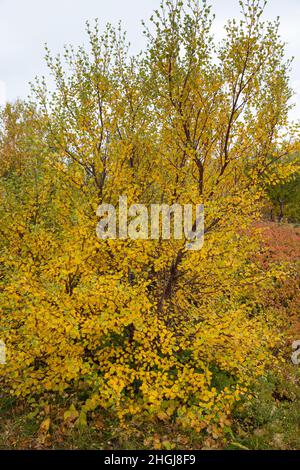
268, 419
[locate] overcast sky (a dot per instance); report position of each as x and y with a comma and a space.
25, 25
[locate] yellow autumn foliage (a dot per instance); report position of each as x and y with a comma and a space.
144, 326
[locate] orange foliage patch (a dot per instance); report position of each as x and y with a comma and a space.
281, 244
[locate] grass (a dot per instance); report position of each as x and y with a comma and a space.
271, 420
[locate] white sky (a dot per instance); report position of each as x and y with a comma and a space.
25, 25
